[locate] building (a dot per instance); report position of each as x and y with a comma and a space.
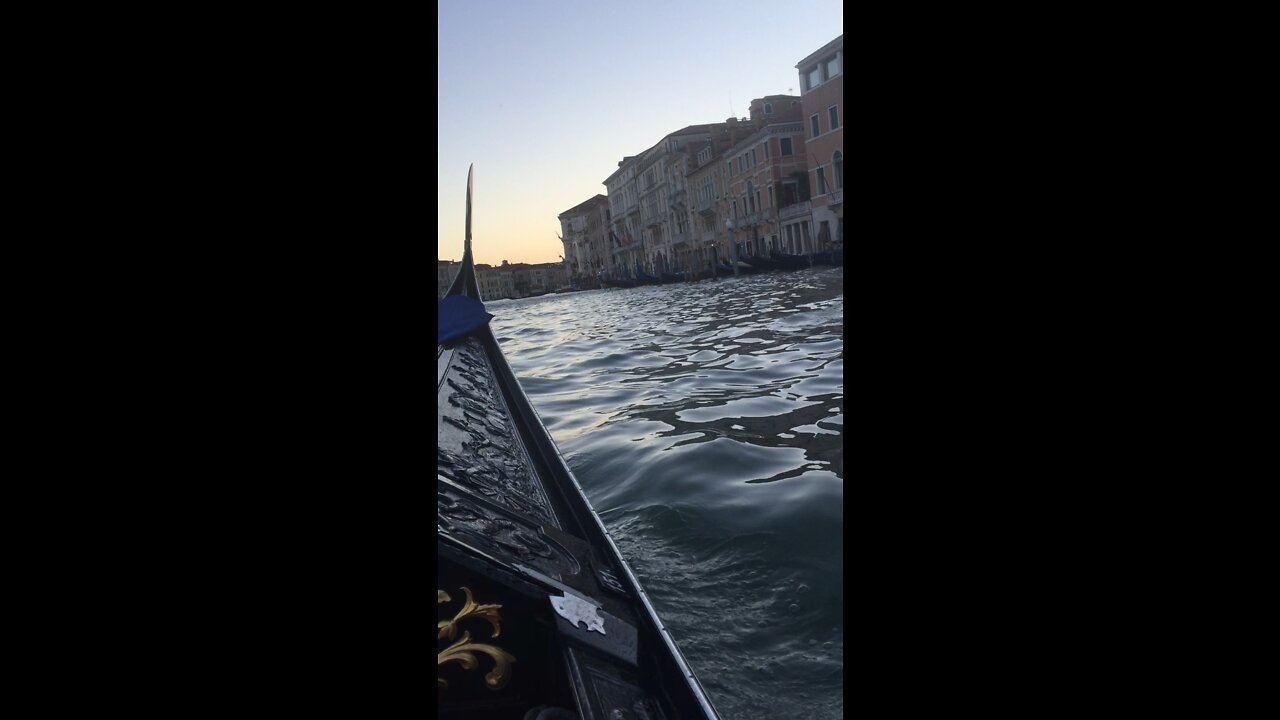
649, 203
767, 181
707, 179
624, 213
446, 271
495, 283
822, 102
587, 246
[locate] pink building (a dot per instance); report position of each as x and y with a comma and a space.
767, 180
822, 102
707, 180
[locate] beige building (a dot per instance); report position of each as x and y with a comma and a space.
624, 213
649, 203
446, 271
495, 283
584, 232
822, 101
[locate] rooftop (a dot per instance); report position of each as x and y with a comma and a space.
821, 52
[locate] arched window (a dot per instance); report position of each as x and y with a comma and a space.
768, 108
837, 160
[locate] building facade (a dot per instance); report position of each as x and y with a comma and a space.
446, 271
822, 100
587, 246
626, 238
768, 192
715, 192
649, 204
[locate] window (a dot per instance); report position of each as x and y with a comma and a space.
790, 192
785, 145
766, 149
754, 160
822, 181
815, 76
772, 201
813, 125
768, 108
833, 115
837, 161
833, 66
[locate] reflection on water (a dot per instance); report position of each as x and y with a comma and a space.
705, 422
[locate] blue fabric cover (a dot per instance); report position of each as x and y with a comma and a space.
460, 315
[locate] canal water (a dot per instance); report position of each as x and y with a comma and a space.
706, 422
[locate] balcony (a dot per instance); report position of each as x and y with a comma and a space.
749, 220
769, 215
678, 238
792, 212
707, 206
835, 197
709, 236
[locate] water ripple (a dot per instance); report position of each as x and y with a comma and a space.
706, 423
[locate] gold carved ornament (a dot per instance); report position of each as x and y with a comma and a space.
464, 651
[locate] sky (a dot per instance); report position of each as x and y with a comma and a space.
546, 97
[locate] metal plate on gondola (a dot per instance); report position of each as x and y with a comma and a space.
576, 610
583, 622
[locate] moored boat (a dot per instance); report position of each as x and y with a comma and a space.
539, 616
789, 262
829, 257
760, 262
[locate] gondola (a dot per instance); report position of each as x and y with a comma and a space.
619, 282
760, 262
538, 615
829, 257
743, 268
790, 262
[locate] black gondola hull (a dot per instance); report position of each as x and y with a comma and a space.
536, 606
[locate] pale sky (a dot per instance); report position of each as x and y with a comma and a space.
545, 97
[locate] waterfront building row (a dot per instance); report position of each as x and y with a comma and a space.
506, 281
773, 181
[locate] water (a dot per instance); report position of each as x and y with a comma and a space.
705, 423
